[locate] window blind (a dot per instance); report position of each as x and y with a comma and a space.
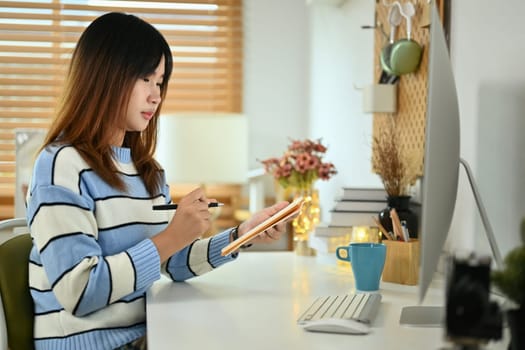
37, 38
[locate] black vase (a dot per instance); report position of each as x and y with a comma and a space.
516, 322
402, 206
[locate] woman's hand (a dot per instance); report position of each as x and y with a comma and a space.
273, 233
192, 218
190, 221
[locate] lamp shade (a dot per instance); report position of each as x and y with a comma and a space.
203, 148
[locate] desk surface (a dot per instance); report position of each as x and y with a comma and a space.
254, 302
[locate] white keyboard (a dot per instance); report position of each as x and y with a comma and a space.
361, 307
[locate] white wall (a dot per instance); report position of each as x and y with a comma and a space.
488, 51
341, 59
275, 75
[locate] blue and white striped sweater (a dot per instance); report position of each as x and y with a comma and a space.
92, 261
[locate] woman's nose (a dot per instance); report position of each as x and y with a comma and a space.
154, 96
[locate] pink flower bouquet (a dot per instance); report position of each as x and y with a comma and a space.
300, 165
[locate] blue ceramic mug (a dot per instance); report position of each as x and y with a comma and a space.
368, 260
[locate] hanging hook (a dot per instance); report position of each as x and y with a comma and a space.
391, 4
379, 26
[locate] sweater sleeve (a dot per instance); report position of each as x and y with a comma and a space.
200, 257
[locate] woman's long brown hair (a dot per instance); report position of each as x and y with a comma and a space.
113, 52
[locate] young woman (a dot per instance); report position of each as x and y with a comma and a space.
97, 244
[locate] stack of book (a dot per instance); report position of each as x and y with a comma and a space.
357, 206
325, 239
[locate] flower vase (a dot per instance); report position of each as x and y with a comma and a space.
406, 215
307, 219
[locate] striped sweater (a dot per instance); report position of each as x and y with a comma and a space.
92, 260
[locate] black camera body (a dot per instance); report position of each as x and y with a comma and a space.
471, 317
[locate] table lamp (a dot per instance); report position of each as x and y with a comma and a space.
206, 151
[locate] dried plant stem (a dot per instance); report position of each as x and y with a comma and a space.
395, 166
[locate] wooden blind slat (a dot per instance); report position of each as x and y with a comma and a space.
27, 104
7, 147
6, 134
220, 11
43, 92
31, 82
34, 49
7, 166
28, 117
25, 125
57, 28
31, 70
214, 20
57, 5
8, 157
7, 179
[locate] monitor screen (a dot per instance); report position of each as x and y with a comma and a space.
439, 183
440, 172
442, 155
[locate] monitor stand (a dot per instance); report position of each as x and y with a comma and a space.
434, 316
483, 214
422, 316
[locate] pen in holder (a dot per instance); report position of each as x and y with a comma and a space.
402, 262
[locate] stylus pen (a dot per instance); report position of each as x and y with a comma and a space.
174, 206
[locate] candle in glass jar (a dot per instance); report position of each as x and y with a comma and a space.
365, 234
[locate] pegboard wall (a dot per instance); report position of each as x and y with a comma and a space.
409, 120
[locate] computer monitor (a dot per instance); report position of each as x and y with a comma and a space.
440, 173
441, 160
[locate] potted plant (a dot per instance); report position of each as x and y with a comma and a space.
511, 281
398, 171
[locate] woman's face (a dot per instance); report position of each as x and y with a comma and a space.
143, 102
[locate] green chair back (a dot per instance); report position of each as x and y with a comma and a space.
14, 288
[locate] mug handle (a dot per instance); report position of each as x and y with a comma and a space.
339, 256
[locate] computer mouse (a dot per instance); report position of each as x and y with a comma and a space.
337, 325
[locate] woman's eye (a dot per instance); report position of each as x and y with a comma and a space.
146, 80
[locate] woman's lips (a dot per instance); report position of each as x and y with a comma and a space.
147, 115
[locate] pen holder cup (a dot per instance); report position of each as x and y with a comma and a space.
402, 262
380, 98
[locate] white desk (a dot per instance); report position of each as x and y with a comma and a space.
254, 302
